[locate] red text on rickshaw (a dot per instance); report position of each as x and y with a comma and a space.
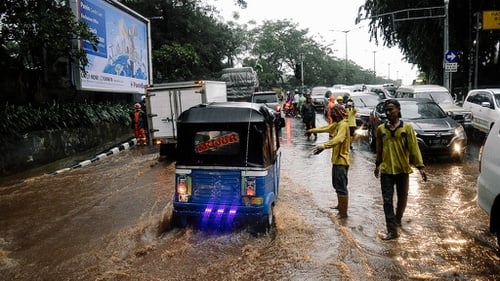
217, 142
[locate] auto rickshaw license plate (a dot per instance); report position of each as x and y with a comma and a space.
253, 200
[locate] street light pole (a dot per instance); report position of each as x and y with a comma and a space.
374, 71
346, 56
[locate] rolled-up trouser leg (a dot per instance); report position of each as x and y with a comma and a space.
339, 179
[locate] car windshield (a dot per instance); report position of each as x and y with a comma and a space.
265, 98
365, 101
437, 97
423, 110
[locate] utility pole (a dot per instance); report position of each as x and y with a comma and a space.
446, 43
302, 71
374, 71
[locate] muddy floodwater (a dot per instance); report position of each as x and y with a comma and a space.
109, 221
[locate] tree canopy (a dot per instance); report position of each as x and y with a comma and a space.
412, 27
35, 36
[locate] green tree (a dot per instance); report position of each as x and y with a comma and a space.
282, 49
36, 38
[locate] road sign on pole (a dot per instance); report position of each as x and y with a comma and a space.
450, 67
451, 56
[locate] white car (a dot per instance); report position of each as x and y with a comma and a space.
441, 96
488, 189
485, 107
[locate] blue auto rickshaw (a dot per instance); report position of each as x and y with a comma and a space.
227, 166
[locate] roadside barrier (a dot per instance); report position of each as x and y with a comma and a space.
115, 150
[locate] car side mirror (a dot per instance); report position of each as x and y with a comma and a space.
486, 104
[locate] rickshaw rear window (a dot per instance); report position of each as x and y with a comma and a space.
216, 143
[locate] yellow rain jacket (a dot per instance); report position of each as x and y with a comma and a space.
397, 150
339, 143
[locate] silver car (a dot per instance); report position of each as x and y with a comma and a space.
437, 133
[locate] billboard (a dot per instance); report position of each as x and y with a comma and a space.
122, 61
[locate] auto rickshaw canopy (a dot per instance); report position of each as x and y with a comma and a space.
227, 134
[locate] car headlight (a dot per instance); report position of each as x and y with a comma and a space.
467, 116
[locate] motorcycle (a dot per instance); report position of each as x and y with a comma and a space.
289, 109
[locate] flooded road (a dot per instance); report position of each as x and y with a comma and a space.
108, 221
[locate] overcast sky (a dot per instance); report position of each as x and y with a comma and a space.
322, 17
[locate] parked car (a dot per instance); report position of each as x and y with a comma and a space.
364, 102
485, 107
271, 100
488, 189
437, 133
380, 90
319, 94
441, 96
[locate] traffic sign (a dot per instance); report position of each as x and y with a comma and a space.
450, 67
451, 56
491, 20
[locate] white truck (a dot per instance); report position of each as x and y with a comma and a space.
165, 102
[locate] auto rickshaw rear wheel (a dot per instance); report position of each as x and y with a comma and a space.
178, 221
266, 223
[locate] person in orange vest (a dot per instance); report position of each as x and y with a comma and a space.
331, 102
138, 124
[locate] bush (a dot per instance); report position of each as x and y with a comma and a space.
19, 120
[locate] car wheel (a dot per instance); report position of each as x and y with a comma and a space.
371, 140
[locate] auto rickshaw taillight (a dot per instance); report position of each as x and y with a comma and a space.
249, 188
183, 188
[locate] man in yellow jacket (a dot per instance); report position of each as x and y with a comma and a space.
340, 154
396, 148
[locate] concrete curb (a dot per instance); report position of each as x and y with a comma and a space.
115, 150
